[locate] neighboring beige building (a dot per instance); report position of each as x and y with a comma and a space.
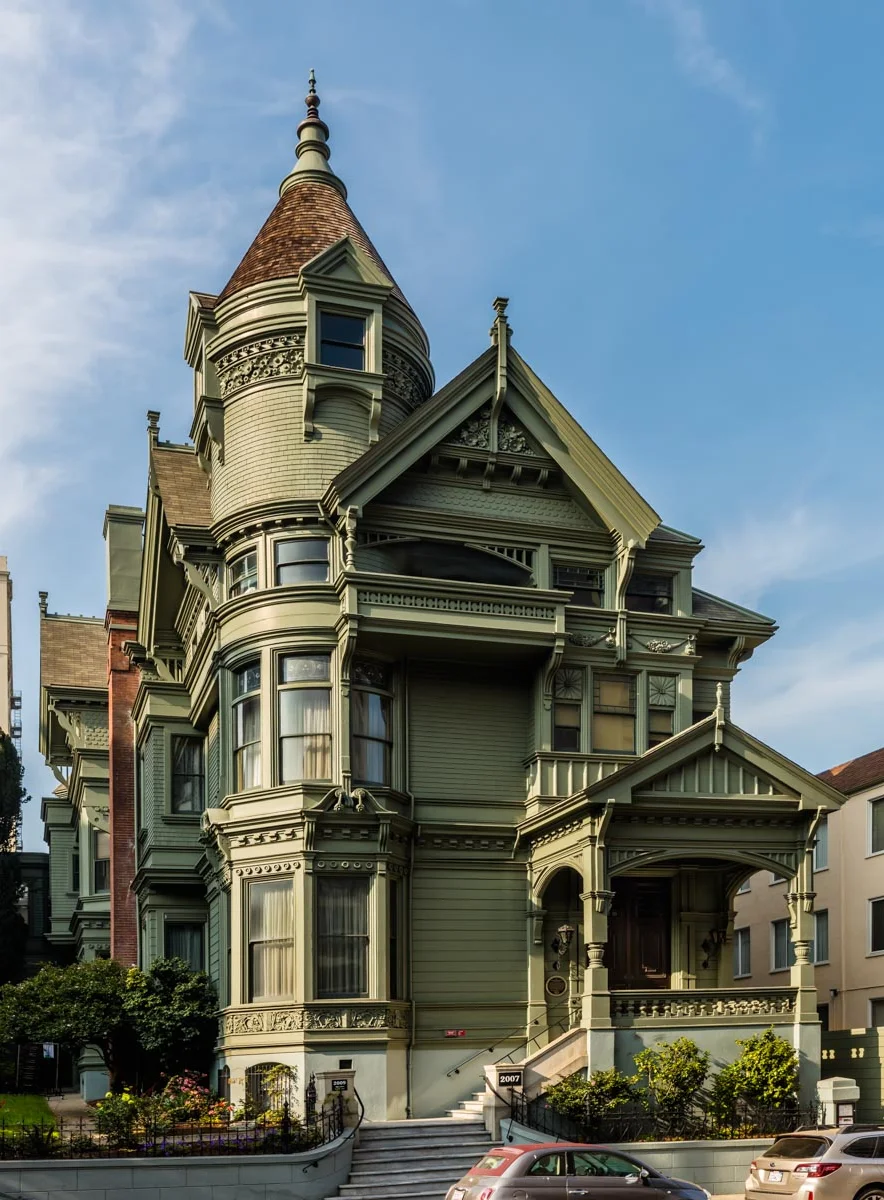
848, 879
10, 721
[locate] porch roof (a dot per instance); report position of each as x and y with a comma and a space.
769, 777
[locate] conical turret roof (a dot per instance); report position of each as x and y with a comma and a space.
311, 215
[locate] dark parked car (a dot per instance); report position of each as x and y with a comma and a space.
564, 1171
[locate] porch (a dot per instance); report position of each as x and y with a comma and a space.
703, 1006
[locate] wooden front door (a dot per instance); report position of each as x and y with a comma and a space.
639, 933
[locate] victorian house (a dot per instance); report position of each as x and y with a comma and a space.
431, 729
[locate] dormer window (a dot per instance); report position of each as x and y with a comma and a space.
649, 593
584, 583
342, 341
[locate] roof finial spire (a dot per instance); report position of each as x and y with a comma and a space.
312, 148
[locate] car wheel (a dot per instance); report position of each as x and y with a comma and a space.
874, 1192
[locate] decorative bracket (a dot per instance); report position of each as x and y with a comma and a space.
552, 665
719, 716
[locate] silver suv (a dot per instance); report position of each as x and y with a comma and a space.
821, 1164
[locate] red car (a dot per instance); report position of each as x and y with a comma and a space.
565, 1171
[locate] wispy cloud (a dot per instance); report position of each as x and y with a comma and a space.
760, 551
822, 694
706, 66
89, 97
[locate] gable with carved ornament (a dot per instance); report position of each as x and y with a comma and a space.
716, 774
509, 504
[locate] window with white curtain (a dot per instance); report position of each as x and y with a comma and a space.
100, 861
742, 953
271, 939
821, 847
371, 722
305, 740
341, 937
184, 940
247, 727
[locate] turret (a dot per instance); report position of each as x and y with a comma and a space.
309, 354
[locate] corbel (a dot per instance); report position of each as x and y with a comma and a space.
69, 726
739, 652
198, 581
59, 774
625, 565
552, 665
347, 649
374, 419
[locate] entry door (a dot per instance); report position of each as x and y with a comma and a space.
639, 932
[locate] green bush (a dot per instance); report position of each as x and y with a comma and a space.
593, 1097
767, 1071
115, 1118
674, 1073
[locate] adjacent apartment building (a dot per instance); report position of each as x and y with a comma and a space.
421, 729
848, 885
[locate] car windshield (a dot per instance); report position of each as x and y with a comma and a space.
796, 1146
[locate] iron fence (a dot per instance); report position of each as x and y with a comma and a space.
646, 1123
274, 1132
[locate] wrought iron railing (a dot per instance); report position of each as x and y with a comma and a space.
640, 1123
280, 1132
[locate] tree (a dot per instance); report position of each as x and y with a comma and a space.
13, 929
675, 1073
173, 1013
162, 1019
80, 1005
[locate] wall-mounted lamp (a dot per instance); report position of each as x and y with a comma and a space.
711, 945
561, 942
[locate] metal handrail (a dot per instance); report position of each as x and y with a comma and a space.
491, 1049
352, 1134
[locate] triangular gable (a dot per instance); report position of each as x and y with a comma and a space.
649, 776
534, 413
348, 261
718, 773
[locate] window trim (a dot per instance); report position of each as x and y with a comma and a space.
303, 685
369, 882
747, 929
241, 557
171, 811
387, 692
824, 824
247, 991
872, 953
560, 680
871, 1001
774, 969
353, 315
634, 680
820, 962
96, 833
301, 535
871, 802
235, 701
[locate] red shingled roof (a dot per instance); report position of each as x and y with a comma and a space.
856, 774
309, 218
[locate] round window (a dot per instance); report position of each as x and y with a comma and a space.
556, 985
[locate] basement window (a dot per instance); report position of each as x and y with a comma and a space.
342, 341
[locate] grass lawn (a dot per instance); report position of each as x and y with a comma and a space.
28, 1110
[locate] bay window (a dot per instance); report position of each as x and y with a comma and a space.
567, 709
271, 939
242, 574
649, 593
371, 722
613, 714
305, 740
301, 560
247, 727
341, 937
662, 692
187, 774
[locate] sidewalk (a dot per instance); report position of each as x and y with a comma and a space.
72, 1109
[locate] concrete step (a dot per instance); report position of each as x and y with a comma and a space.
363, 1159
429, 1162
439, 1182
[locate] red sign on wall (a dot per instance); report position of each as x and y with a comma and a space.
455, 1033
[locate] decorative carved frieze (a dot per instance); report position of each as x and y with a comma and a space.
627, 1007
266, 358
687, 645
494, 608
475, 432
304, 1017
404, 380
609, 637
276, 868
344, 864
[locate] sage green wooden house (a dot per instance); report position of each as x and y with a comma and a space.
433, 729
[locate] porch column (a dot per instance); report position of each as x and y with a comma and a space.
806, 1028
596, 1008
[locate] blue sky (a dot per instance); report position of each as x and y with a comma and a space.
683, 201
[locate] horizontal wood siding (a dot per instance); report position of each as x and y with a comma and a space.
468, 732
470, 936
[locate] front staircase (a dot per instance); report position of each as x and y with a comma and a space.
414, 1160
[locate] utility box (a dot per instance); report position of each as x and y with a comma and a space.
839, 1097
